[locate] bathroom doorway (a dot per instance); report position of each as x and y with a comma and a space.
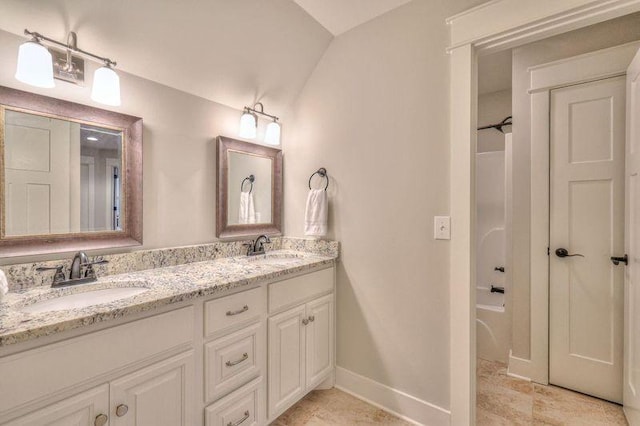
574, 341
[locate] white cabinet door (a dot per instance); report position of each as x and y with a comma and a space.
158, 395
319, 340
286, 359
78, 410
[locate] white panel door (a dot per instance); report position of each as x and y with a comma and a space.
631, 378
159, 395
319, 340
587, 218
79, 410
37, 170
286, 359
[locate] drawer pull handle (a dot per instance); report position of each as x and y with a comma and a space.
245, 356
239, 422
101, 420
245, 308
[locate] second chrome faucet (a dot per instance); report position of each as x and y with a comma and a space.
256, 247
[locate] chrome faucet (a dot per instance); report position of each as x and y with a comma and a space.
257, 247
81, 271
79, 260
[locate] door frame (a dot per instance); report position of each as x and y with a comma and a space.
589, 67
491, 27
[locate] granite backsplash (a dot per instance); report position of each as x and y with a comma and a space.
24, 275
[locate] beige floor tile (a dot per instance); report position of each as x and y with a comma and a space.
502, 398
336, 408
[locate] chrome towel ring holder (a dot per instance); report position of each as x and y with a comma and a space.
251, 179
322, 172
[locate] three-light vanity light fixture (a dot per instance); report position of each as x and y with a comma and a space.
249, 125
39, 65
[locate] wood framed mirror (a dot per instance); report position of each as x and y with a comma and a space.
70, 176
249, 200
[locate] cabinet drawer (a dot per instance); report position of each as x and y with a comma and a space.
232, 311
288, 293
241, 408
233, 360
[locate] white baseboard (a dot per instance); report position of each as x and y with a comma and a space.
519, 368
396, 402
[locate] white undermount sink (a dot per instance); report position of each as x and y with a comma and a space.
274, 258
83, 299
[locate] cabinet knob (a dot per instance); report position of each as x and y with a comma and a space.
121, 410
312, 318
305, 321
101, 420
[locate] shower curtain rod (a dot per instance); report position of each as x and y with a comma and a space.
506, 122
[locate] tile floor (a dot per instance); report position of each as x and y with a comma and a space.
504, 400
334, 407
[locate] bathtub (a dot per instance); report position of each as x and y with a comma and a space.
493, 319
492, 333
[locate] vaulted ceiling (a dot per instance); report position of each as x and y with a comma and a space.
233, 52
339, 16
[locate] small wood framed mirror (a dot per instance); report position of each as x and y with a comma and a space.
70, 176
249, 200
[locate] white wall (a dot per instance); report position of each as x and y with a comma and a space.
374, 113
493, 108
179, 150
607, 34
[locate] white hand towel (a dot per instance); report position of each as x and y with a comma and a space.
247, 212
316, 215
4, 285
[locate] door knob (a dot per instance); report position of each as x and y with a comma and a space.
624, 259
562, 252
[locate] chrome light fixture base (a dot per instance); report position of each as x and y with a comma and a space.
71, 72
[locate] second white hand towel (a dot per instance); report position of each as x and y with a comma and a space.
4, 284
317, 213
247, 212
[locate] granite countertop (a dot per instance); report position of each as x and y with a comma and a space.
165, 286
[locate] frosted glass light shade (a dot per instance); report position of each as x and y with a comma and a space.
35, 65
106, 86
248, 126
272, 135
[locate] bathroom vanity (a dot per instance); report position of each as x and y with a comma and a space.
233, 341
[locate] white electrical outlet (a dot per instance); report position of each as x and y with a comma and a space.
442, 227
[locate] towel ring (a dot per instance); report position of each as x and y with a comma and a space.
250, 178
322, 172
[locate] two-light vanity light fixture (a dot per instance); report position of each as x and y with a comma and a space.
249, 125
38, 65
